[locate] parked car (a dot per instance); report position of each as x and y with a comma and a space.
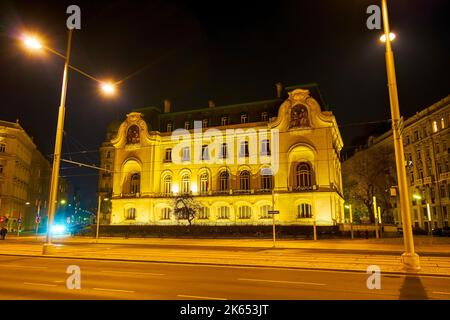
437, 232
446, 232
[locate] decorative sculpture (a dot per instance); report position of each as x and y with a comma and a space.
133, 135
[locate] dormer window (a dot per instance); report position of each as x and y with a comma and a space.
169, 127
264, 116
244, 118
224, 121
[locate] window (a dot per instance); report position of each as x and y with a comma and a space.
186, 154
244, 180
168, 155
224, 121
303, 175
205, 152
267, 182
245, 212
167, 184
416, 135
263, 211
169, 127
224, 151
2, 147
203, 213
265, 147
224, 181
186, 184
304, 211
204, 123
243, 152
1, 168
435, 126
135, 183
165, 214
108, 155
264, 116
186, 125
204, 183
131, 214
223, 213
442, 123
244, 118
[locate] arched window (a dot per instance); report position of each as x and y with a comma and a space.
245, 212
304, 211
263, 211
224, 181
266, 182
223, 213
303, 175
108, 155
244, 180
135, 183
167, 184
203, 213
133, 134
131, 214
204, 183
165, 213
186, 183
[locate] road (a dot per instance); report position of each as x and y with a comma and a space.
45, 278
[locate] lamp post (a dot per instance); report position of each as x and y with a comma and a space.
410, 259
375, 216
273, 217
349, 207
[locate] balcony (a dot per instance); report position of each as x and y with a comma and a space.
444, 176
428, 180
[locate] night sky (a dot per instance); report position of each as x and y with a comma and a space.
227, 51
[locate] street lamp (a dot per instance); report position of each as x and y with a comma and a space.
34, 43
349, 207
392, 36
410, 259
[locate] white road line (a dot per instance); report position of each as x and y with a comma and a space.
283, 281
131, 272
200, 297
441, 292
113, 290
39, 284
19, 266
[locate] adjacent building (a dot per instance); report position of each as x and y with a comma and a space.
237, 161
426, 139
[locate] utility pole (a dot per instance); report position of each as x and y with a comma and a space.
375, 216
410, 259
273, 217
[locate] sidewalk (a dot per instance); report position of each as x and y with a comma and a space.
354, 255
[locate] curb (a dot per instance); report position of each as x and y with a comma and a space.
222, 264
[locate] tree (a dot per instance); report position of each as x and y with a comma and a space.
186, 208
369, 173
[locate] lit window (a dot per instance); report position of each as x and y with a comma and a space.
303, 175
245, 212
204, 123
167, 184
304, 211
165, 214
224, 121
265, 147
442, 123
244, 118
185, 184
435, 127
131, 214
264, 211
204, 183
135, 183
186, 154
186, 125
169, 127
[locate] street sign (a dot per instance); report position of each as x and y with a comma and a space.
38, 219
273, 212
19, 221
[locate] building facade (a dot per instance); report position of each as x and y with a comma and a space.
426, 139
24, 177
238, 162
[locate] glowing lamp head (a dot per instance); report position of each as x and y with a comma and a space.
32, 42
108, 88
391, 37
58, 229
417, 197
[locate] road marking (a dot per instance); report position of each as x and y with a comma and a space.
113, 290
283, 281
441, 292
19, 266
131, 272
39, 284
200, 297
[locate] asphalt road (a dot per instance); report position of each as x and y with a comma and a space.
45, 278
